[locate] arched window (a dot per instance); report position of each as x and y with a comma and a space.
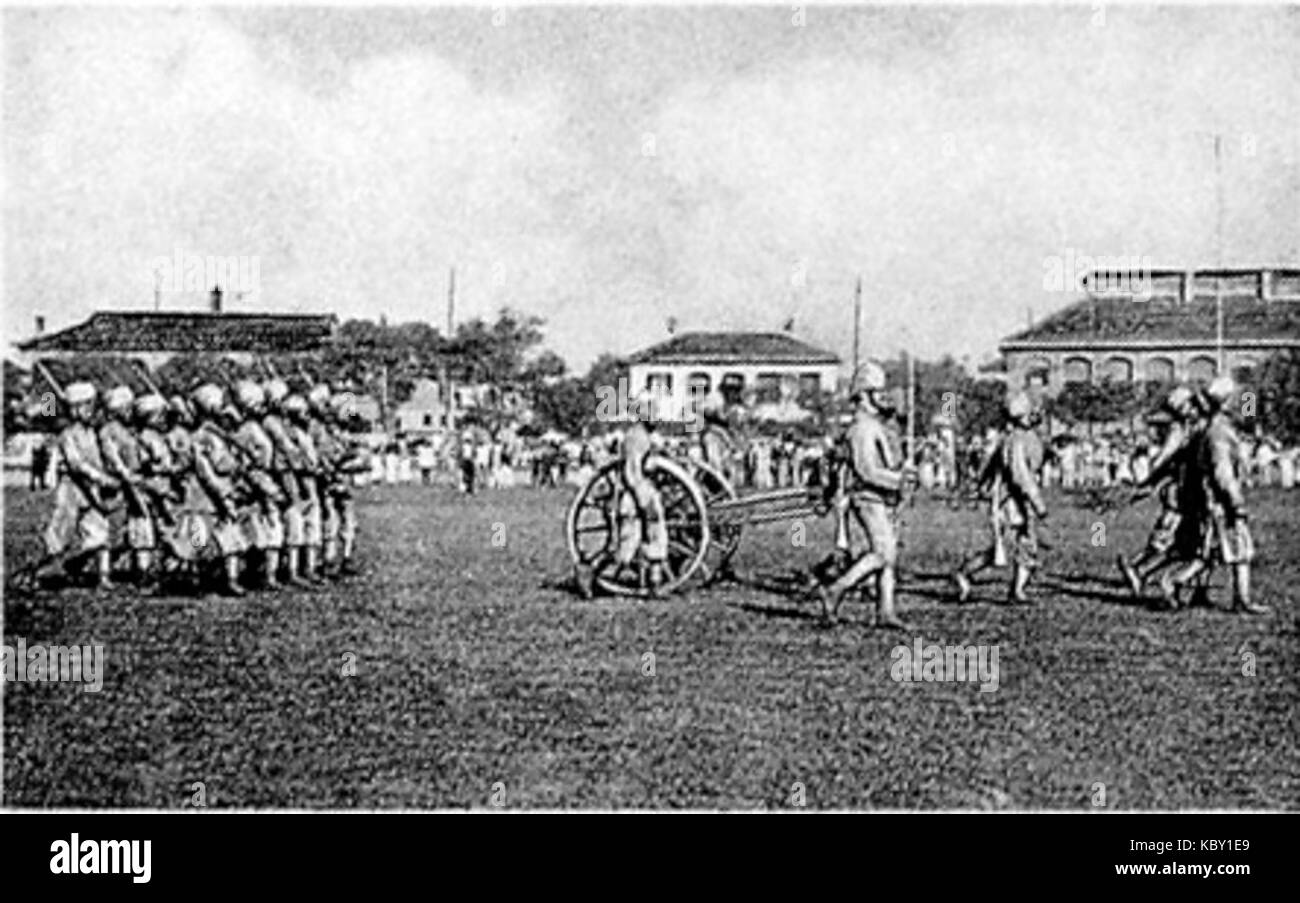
1202, 369
1078, 370
1160, 370
1038, 371
1119, 370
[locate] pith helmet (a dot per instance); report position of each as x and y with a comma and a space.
149, 404
208, 397
869, 377
118, 398
1221, 389
1019, 406
79, 393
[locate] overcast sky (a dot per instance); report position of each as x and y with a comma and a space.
608, 169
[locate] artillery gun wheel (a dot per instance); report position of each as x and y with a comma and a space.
592, 528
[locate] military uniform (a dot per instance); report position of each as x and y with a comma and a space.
285, 465
122, 458
79, 513
262, 521
217, 468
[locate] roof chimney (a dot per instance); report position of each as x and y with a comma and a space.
216, 299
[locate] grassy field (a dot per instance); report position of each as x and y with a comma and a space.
478, 672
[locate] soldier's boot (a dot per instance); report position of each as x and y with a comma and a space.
329, 556
1241, 591
103, 570
1171, 584
270, 568
885, 615
311, 565
1132, 579
346, 564
146, 577
1019, 595
230, 574
292, 576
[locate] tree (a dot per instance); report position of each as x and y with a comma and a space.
1277, 386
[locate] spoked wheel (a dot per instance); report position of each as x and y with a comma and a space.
592, 527
724, 538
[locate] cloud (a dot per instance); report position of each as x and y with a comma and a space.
138, 133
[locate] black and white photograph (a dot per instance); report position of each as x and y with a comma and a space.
510, 407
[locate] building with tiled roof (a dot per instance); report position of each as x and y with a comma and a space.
155, 336
758, 367
1164, 327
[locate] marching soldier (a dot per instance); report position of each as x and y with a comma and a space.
286, 464
329, 451
263, 520
1214, 526
216, 468
1165, 474
308, 476
80, 509
874, 483
1015, 506
353, 458
160, 486
122, 459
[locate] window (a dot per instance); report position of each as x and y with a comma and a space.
769, 388
659, 383
1202, 369
698, 386
1160, 370
428, 420
732, 388
1119, 370
1078, 370
810, 386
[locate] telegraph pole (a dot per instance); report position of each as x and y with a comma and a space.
1218, 244
448, 386
857, 323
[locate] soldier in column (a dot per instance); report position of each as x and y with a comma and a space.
160, 486
216, 467
122, 458
263, 521
354, 459
79, 522
330, 451
286, 464
308, 475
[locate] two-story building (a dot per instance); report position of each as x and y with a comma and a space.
755, 368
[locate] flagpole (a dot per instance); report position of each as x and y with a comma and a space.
911, 408
1218, 242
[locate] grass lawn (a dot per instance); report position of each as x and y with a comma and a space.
476, 670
